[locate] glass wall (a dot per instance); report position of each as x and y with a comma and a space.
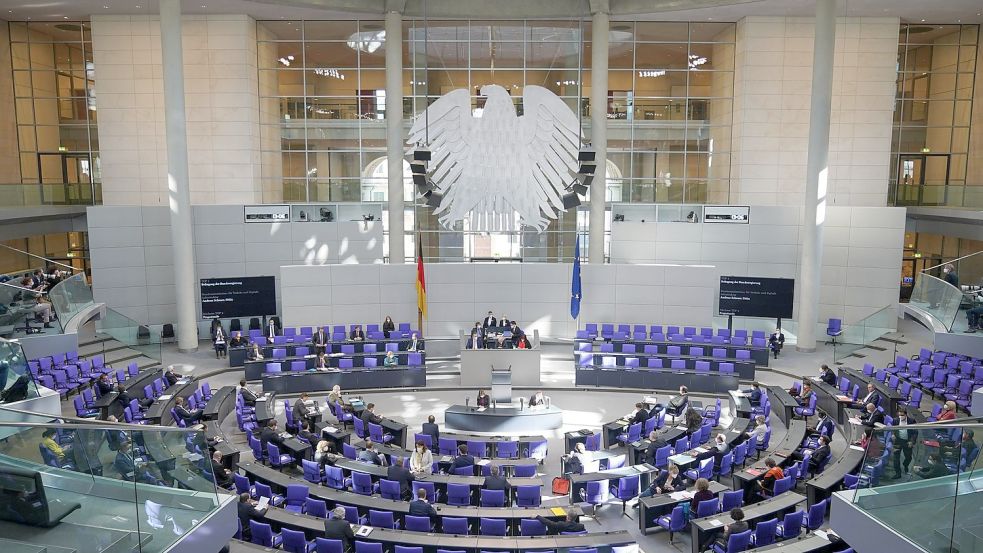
16, 383
323, 103
69, 248
55, 106
933, 108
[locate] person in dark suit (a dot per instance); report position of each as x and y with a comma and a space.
776, 341
238, 340
655, 443
189, 416
463, 459
254, 352
827, 375
369, 454
320, 340
754, 396
269, 434
357, 334
104, 385
568, 524
305, 409
484, 400
871, 397
306, 434
247, 511
399, 473
248, 396
820, 455
337, 528
369, 416
934, 468
123, 398
516, 333
171, 377
537, 399
271, 329
504, 321
490, 321
414, 344
641, 414
388, 326
824, 426
495, 481
735, 527
873, 416
430, 427
904, 442
666, 482
420, 507
223, 476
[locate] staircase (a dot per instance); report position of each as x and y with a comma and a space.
114, 352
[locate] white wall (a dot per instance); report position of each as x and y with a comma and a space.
131, 258
861, 252
222, 105
772, 85
535, 294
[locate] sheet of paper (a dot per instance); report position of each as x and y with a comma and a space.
716, 522
263, 502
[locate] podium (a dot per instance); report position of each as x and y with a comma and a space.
501, 385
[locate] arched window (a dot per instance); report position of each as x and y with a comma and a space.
375, 181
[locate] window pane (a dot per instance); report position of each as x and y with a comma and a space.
661, 31
329, 30
712, 32
280, 30
330, 55
621, 55
554, 55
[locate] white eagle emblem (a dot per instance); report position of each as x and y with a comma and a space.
497, 164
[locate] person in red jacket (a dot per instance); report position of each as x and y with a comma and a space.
948, 411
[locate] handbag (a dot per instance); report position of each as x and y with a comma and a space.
561, 486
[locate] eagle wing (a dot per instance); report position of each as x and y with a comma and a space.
550, 134
450, 123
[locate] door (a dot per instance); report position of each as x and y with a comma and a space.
922, 179
66, 177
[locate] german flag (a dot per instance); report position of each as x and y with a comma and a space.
421, 281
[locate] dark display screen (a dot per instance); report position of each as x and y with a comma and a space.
756, 297
238, 297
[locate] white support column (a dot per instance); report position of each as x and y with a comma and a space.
817, 173
177, 174
394, 134
599, 133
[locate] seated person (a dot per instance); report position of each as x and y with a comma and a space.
238, 340
51, 444
578, 459
827, 375
306, 434
703, 493
369, 416
824, 426
254, 352
369, 454
640, 414
222, 475
414, 343
655, 443
123, 398
321, 362
766, 485
463, 458
568, 524
334, 396
872, 416
248, 396
484, 400
500, 342
356, 334
306, 410
694, 421
390, 360
270, 434
189, 416
337, 528
171, 377
325, 453
667, 481
246, 507
220, 343
757, 435
871, 397
104, 385
495, 481
475, 341
933, 468
820, 455
678, 404
754, 395
421, 461
806, 395
398, 473
719, 449
776, 341
523, 342
420, 507
735, 527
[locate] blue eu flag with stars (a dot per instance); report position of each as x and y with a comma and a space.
576, 292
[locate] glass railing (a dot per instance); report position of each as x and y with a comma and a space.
18, 308
934, 476
16, 383
937, 297
28, 195
70, 296
106, 487
865, 331
131, 333
939, 195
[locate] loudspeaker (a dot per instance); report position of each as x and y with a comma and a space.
587, 168
421, 155
570, 200
586, 155
433, 198
418, 168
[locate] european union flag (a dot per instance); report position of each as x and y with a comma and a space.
576, 292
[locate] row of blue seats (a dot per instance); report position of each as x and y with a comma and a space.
674, 333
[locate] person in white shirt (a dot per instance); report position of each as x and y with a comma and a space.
758, 434
413, 343
581, 455
421, 461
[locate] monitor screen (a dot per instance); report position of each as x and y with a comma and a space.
238, 297
756, 297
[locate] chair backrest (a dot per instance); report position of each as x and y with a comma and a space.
459, 494
531, 527
783, 485
383, 519
764, 532
454, 525
361, 483
389, 489
507, 449
491, 526
792, 524
738, 542
707, 508
528, 496
316, 507
492, 498
261, 533
817, 514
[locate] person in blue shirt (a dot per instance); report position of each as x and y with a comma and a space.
754, 394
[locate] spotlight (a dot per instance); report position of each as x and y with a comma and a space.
421, 155
587, 168
581, 188
418, 168
419, 179
433, 198
586, 154
570, 200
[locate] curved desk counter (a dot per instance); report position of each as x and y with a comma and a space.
747, 478
644, 471
743, 368
237, 355
254, 370
658, 379
440, 480
825, 483
381, 377
507, 465
314, 527
280, 481
503, 419
758, 354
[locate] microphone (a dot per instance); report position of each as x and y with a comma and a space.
522, 403
467, 403
548, 402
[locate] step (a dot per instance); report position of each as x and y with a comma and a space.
120, 355
98, 337
103, 346
894, 338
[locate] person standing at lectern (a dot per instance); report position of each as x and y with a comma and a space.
489, 321
320, 341
271, 329
388, 326
484, 400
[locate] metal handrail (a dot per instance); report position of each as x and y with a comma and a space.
19, 287
52, 261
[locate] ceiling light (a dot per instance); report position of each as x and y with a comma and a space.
923, 21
